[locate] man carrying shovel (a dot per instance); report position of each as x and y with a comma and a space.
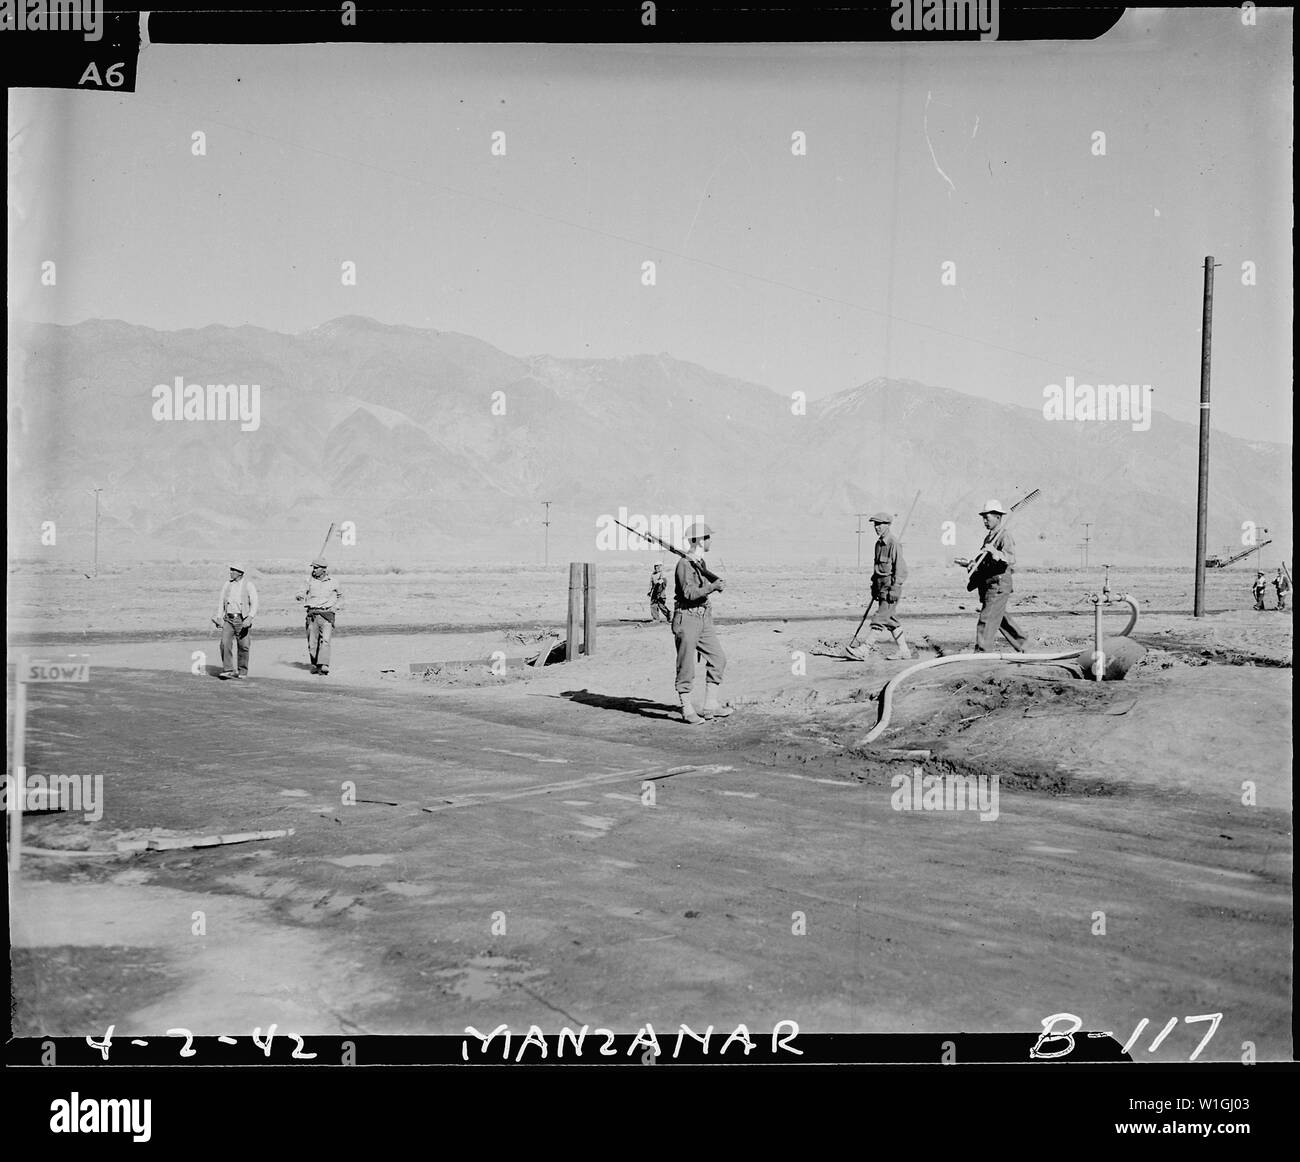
323, 599
887, 577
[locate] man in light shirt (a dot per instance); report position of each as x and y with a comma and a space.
236, 608
323, 599
990, 573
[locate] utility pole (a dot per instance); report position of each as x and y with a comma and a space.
1203, 460
860, 515
546, 559
1086, 538
95, 567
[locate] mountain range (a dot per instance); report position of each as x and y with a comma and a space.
440, 447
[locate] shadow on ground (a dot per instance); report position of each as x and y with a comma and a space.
642, 707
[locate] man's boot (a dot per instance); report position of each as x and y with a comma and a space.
903, 651
688, 711
712, 708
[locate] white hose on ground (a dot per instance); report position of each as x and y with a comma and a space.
1133, 617
887, 694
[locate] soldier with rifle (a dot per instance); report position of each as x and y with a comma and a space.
693, 628
692, 622
658, 595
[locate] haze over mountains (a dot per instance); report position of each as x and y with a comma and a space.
401, 431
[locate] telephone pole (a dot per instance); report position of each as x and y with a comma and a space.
546, 551
1087, 524
860, 515
95, 568
1203, 460
1259, 545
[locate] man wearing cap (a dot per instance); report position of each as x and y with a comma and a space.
992, 577
323, 599
887, 577
236, 608
693, 629
658, 595
1259, 588
1281, 583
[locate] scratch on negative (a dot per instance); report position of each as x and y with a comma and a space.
705, 192
925, 126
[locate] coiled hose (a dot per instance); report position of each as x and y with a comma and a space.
887, 694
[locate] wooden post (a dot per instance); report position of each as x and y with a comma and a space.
18, 780
575, 611
589, 608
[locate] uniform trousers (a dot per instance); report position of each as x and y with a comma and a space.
693, 629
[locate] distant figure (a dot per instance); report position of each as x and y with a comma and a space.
659, 595
887, 577
236, 608
1282, 583
1258, 589
991, 575
693, 629
323, 599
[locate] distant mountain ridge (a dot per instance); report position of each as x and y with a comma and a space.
437, 444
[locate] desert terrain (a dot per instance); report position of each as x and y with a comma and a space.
477, 841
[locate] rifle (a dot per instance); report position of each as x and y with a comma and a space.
702, 569
973, 565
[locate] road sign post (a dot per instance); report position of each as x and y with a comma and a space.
71, 668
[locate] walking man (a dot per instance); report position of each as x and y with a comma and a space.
693, 629
887, 577
1281, 583
1259, 588
236, 608
659, 595
991, 575
323, 599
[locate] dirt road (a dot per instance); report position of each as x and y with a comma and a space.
561, 851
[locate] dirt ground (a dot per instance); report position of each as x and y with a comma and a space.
551, 845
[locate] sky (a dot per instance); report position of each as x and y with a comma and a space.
813, 272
